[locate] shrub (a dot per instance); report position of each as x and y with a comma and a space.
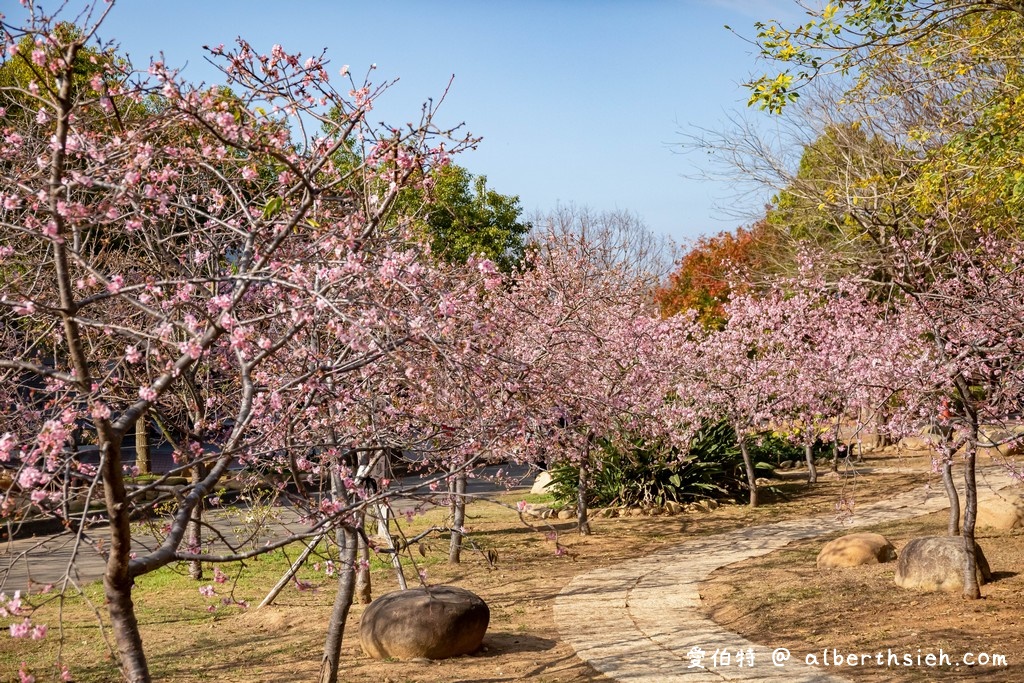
644, 473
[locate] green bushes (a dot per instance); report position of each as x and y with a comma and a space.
643, 474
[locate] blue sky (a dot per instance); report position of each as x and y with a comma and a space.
577, 101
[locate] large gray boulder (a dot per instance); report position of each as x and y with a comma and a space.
853, 550
435, 623
936, 563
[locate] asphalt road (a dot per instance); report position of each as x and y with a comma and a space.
32, 563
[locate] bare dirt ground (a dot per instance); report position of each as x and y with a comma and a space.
861, 610
283, 642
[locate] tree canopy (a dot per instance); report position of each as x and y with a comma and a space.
465, 217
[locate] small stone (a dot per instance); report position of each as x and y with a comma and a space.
541, 483
566, 514
1003, 513
536, 510
854, 550
673, 508
707, 505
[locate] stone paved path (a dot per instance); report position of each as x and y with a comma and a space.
637, 622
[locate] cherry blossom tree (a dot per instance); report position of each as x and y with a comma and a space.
221, 259
742, 372
582, 325
967, 314
845, 355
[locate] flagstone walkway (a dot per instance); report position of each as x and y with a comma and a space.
638, 622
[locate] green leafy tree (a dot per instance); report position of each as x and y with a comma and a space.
466, 217
862, 38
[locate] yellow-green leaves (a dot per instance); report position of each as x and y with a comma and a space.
772, 94
273, 207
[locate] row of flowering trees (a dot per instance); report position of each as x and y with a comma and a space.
242, 267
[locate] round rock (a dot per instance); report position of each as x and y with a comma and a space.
1003, 513
936, 563
854, 550
541, 483
434, 623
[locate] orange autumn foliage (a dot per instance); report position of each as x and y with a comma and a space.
710, 271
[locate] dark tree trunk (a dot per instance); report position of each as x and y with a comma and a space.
812, 472
881, 420
194, 537
125, 626
954, 498
457, 489
347, 539
749, 464
972, 591
117, 582
582, 492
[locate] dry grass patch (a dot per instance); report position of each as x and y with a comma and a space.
186, 643
861, 610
